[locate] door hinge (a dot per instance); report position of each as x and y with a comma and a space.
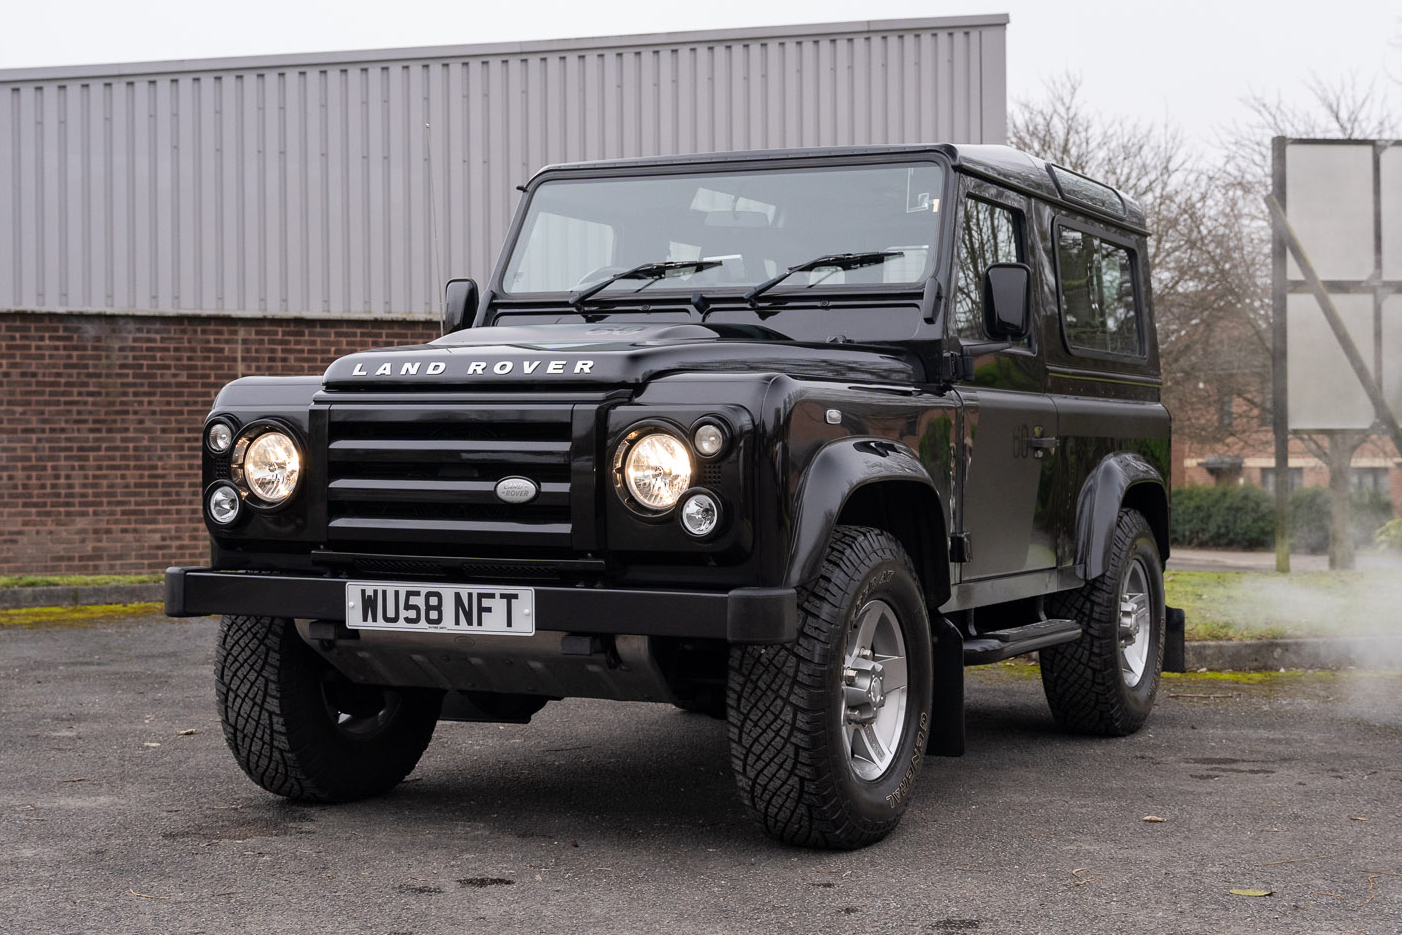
961, 548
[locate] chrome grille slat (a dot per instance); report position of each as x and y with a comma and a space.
450, 530
403, 449
552, 493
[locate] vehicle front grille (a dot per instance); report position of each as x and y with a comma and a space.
422, 478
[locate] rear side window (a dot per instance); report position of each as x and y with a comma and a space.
1099, 298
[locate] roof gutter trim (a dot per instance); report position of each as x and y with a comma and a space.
298, 60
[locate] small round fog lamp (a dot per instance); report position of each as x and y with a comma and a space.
700, 514
219, 437
223, 505
709, 440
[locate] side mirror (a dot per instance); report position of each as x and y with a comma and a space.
1007, 301
459, 304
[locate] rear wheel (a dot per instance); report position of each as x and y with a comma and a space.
1105, 682
827, 734
302, 730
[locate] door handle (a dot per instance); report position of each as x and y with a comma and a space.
1040, 444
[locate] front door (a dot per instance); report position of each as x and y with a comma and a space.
1007, 512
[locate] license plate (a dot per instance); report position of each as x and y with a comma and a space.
373, 605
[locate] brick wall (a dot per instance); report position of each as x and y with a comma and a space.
1257, 451
100, 420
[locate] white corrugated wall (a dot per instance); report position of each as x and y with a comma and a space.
333, 185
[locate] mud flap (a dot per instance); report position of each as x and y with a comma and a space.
947, 711
1175, 649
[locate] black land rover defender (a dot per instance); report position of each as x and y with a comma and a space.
786, 437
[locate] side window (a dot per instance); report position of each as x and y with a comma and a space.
1098, 298
990, 235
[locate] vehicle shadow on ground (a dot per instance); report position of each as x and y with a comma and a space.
668, 772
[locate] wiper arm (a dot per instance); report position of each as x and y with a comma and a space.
645, 271
842, 261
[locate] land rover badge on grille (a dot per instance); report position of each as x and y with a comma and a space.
516, 489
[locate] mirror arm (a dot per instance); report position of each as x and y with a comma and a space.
930, 299
484, 303
957, 366
984, 347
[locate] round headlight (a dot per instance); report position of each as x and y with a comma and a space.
709, 440
219, 437
700, 514
271, 467
657, 470
223, 504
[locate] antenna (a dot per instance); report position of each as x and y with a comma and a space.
433, 212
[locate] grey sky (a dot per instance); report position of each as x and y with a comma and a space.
1191, 61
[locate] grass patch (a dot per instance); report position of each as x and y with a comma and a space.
74, 581
1271, 677
34, 618
1242, 605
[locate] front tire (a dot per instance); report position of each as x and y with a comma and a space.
300, 729
1105, 682
827, 733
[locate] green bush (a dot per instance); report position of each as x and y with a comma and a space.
1223, 517
1309, 520
1389, 536
1244, 518
1309, 517
1371, 509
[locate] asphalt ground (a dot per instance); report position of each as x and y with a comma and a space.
121, 811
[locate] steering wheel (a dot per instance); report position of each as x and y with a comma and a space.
594, 275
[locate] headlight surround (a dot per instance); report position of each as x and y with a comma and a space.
267, 464
656, 470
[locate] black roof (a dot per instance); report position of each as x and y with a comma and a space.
1001, 164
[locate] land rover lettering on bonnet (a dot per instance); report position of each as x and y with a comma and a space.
786, 438
362, 368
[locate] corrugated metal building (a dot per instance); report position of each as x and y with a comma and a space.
352, 184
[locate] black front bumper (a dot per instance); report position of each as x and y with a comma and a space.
744, 615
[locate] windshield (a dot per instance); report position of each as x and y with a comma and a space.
747, 226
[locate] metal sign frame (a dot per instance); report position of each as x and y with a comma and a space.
1369, 373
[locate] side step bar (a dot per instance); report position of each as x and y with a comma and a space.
1005, 644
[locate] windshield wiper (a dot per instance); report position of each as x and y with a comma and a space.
842, 261
651, 271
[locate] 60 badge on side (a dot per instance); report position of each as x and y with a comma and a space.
374, 605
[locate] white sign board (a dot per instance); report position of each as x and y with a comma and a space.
1344, 202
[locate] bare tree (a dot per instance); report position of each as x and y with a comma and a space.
1394, 68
